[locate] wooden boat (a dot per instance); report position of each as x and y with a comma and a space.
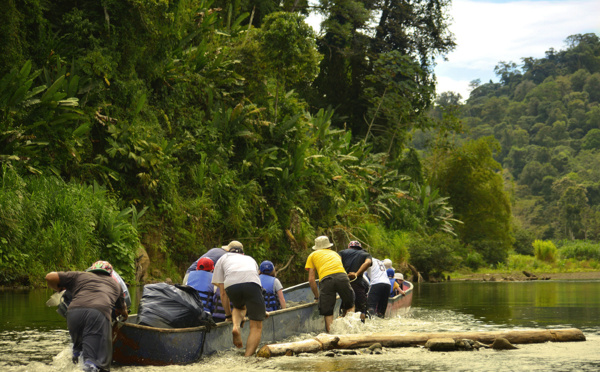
135, 344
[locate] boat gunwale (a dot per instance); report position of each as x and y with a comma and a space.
208, 328
224, 324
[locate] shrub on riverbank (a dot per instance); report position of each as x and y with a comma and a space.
579, 250
47, 224
545, 250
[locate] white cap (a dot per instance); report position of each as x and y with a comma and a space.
388, 263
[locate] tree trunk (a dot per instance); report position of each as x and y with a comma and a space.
327, 342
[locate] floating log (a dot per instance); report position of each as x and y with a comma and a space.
324, 342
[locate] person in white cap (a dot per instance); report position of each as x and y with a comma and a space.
236, 275
333, 280
388, 263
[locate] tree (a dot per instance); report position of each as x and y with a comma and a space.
469, 176
416, 30
399, 97
591, 140
432, 255
289, 49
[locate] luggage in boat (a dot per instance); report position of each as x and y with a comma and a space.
172, 306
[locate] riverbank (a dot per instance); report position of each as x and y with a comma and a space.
520, 276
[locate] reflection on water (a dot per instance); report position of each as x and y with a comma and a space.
464, 306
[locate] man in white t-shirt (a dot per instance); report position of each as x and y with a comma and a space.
380, 289
237, 277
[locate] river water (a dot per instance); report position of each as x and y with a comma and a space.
34, 338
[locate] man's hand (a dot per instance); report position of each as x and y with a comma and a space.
351, 276
122, 313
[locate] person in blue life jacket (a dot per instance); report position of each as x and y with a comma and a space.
396, 290
201, 280
273, 290
218, 313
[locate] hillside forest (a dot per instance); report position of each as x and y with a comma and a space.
154, 130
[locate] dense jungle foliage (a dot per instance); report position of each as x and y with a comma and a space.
179, 125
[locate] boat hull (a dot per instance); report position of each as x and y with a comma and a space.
134, 344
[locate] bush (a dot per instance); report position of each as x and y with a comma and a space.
492, 251
545, 250
474, 261
523, 241
47, 224
580, 250
435, 254
383, 243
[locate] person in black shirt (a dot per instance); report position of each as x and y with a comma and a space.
356, 261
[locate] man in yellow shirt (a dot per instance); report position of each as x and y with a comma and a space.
333, 280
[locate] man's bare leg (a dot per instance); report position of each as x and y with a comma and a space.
328, 321
344, 312
254, 337
237, 315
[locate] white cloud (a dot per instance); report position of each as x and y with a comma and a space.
489, 32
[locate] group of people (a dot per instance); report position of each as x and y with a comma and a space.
232, 286
363, 282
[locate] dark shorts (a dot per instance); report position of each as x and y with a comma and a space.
378, 299
91, 334
249, 295
360, 288
331, 285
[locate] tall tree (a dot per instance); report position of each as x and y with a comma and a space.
469, 176
417, 30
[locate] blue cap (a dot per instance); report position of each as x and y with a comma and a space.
266, 267
390, 273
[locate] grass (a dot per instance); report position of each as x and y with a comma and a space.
518, 263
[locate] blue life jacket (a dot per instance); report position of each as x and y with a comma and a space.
392, 281
218, 313
271, 299
201, 281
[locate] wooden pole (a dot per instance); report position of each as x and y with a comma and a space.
327, 342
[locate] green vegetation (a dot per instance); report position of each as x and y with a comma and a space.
48, 224
179, 125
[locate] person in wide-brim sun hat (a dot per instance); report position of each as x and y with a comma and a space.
322, 242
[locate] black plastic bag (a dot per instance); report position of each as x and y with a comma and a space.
172, 306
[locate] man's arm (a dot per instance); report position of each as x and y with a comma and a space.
312, 280
225, 301
361, 270
53, 280
368, 262
121, 308
281, 298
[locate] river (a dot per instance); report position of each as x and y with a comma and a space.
34, 338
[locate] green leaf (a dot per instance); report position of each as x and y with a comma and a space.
53, 89
140, 104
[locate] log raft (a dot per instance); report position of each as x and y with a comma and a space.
324, 342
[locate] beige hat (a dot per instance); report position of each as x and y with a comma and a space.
233, 244
387, 263
321, 242
399, 276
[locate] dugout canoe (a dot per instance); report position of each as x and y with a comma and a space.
135, 344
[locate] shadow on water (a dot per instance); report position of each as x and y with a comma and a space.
34, 338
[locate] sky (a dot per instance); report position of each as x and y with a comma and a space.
488, 32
